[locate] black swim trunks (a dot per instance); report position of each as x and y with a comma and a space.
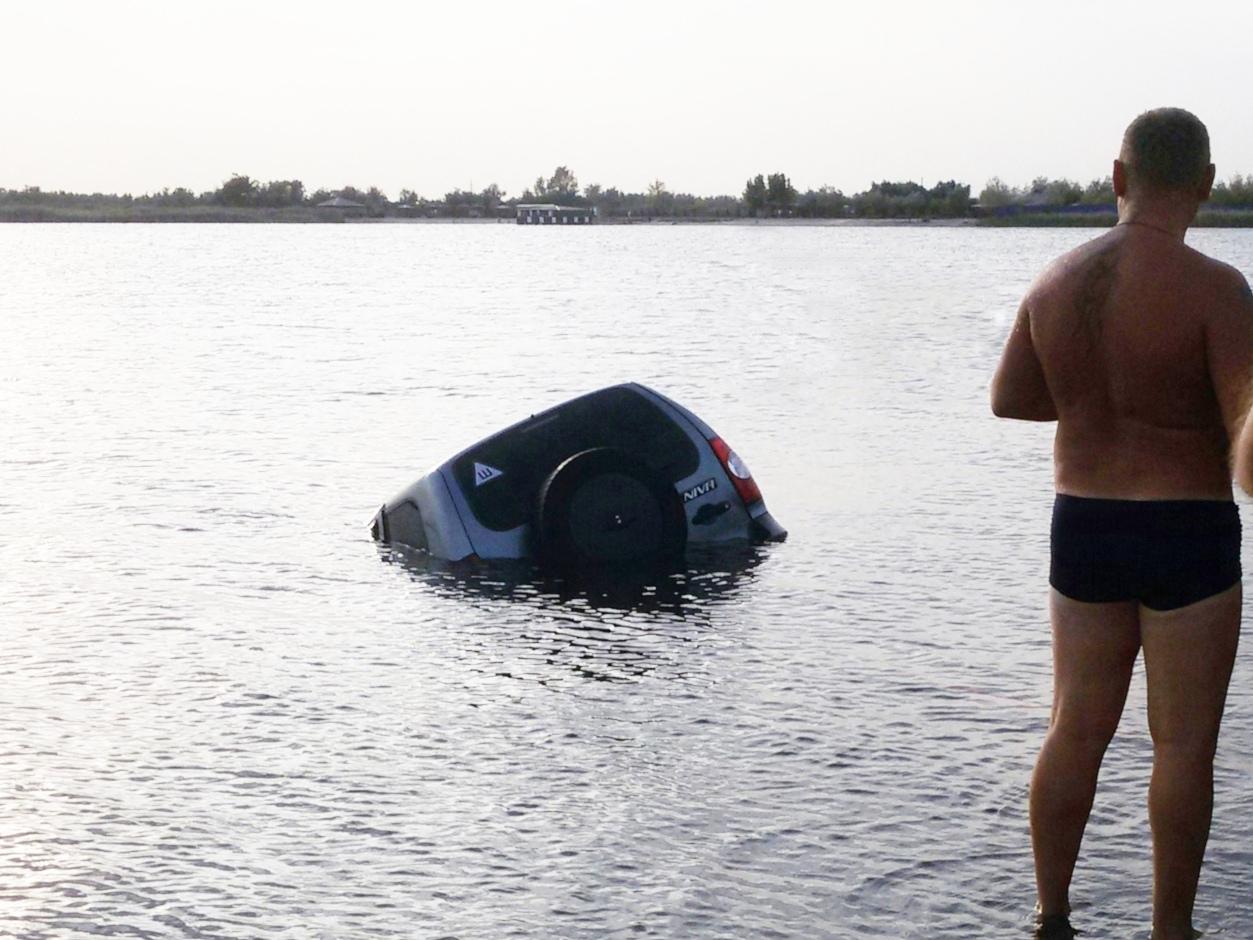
1163, 553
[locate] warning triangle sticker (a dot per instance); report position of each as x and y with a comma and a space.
485, 474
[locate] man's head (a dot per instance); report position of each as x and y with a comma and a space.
1165, 151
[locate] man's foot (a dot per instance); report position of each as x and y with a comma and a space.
1054, 927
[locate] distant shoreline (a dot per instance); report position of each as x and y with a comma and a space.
302, 215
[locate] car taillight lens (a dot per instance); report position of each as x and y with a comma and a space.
737, 470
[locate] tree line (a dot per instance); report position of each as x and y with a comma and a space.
1045, 193
764, 196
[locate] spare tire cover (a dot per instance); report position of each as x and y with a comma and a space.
603, 507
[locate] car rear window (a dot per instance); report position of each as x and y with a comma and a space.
502, 475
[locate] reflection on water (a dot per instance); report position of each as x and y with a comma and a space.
708, 575
606, 625
226, 713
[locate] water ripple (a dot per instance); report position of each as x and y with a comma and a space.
225, 713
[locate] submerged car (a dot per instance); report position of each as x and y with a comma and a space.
616, 476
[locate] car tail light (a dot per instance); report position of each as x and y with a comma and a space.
737, 470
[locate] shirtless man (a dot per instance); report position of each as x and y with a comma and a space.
1142, 350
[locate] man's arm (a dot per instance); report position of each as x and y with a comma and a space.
1229, 351
1018, 388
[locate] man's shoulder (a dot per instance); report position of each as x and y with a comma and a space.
1061, 274
1228, 275
1080, 265
1228, 284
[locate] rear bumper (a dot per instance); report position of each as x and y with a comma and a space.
765, 529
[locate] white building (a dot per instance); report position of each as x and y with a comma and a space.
551, 214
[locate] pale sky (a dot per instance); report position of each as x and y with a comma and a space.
134, 96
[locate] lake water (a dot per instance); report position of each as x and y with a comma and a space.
225, 712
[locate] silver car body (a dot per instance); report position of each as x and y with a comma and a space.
436, 515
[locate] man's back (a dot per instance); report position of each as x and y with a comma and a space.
1133, 331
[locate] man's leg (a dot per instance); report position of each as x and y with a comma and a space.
1094, 650
1188, 655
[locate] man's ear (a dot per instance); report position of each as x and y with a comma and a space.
1207, 183
1120, 179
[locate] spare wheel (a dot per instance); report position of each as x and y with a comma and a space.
604, 507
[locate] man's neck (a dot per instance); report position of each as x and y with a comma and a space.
1166, 215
